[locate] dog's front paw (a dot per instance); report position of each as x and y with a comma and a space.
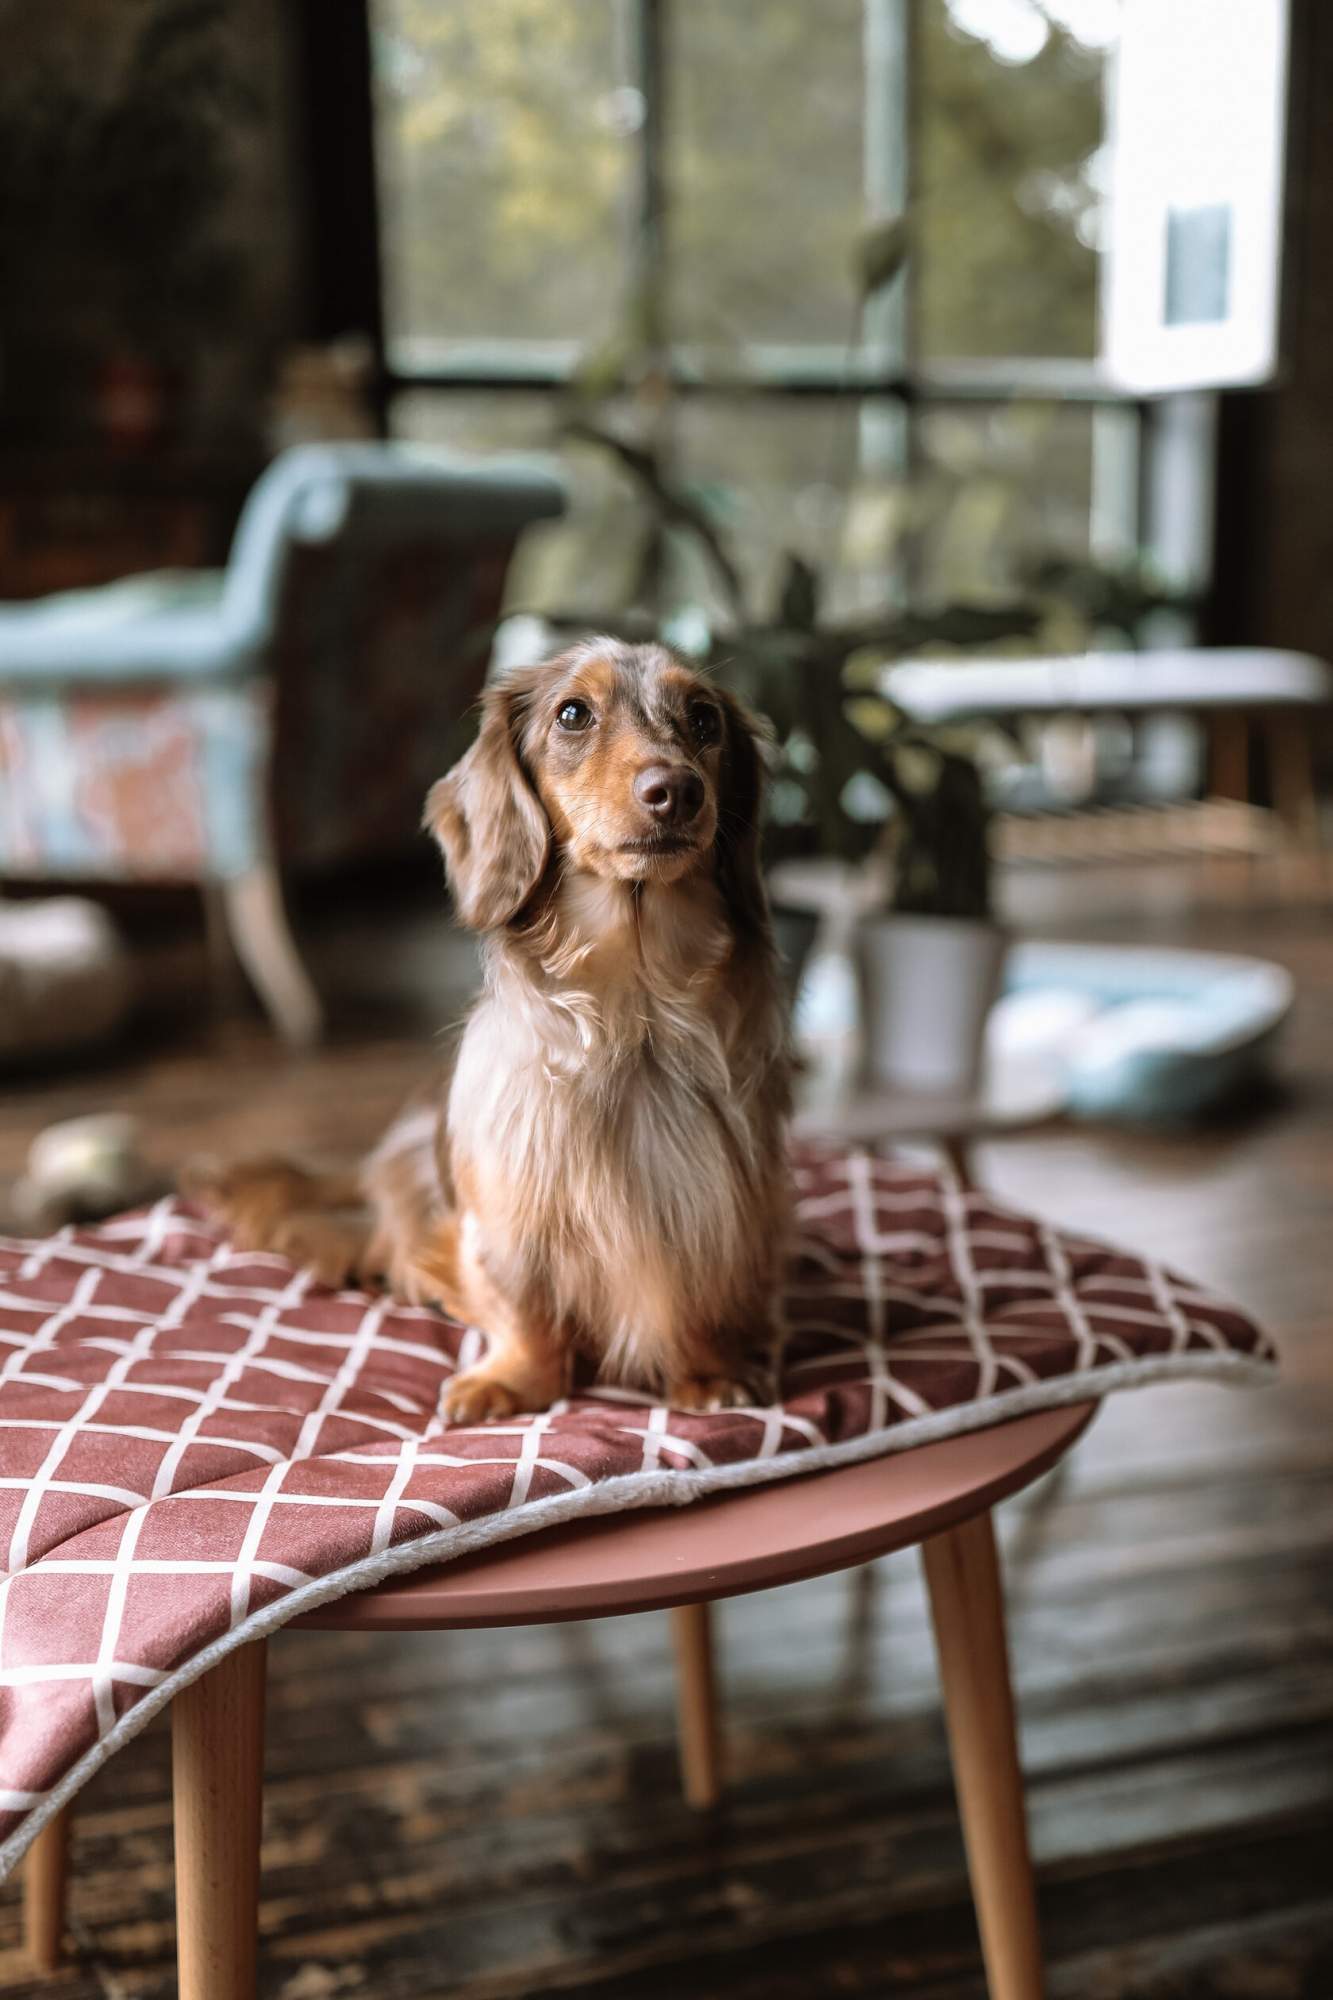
712, 1392
479, 1397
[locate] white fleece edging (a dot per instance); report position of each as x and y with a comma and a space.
625, 1492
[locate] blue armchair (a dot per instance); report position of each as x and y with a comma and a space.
209, 726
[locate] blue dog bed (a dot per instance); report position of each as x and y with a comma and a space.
1143, 1035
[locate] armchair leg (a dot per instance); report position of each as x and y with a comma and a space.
44, 1877
967, 1608
264, 944
696, 1703
217, 1748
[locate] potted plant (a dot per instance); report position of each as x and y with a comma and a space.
930, 965
878, 840
877, 831
864, 806
908, 939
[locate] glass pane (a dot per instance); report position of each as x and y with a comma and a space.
764, 114
795, 477
505, 137
583, 564
997, 492
776, 477
1008, 175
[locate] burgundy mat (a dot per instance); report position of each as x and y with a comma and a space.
196, 1444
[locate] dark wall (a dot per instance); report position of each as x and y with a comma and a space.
1275, 566
149, 206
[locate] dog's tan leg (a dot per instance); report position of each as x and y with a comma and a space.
333, 1246
713, 1392
719, 1371
312, 1218
526, 1365
269, 1184
524, 1370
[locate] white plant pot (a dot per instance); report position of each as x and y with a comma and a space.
927, 985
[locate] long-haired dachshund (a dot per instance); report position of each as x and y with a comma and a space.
603, 1172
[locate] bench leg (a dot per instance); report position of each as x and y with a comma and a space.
696, 1703
967, 1608
44, 1877
1228, 755
217, 1750
1291, 775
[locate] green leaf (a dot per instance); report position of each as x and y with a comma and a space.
881, 252
798, 600
870, 716
674, 507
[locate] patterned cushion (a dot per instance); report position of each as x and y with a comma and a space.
137, 784
196, 1444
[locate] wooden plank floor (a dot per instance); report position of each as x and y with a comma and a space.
493, 1815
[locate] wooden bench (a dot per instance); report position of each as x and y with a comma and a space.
1233, 689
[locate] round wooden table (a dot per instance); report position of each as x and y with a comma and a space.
1014, 1096
939, 1496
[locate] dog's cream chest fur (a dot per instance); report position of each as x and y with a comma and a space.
613, 1155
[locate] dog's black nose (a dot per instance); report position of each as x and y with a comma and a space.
672, 793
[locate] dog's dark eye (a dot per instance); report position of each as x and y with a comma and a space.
574, 715
705, 723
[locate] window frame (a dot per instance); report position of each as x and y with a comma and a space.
335, 41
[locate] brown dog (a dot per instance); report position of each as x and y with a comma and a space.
604, 1171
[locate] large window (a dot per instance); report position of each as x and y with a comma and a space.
666, 203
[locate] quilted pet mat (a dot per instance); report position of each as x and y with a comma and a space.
196, 1444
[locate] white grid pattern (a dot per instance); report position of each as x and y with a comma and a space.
158, 1433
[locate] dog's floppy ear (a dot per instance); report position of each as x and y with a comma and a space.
739, 803
489, 820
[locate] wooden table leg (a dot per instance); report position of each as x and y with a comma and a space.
967, 1608
217, 1772
696, 1703
44, 1893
